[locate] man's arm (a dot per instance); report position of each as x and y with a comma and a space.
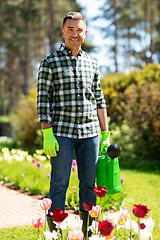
45, 125
102, 116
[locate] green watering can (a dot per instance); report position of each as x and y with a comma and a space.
108, 173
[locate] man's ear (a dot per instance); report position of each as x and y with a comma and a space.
85, 32
62, 30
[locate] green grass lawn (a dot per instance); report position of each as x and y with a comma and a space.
143, 188
140, 188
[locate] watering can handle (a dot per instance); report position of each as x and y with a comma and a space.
105, 151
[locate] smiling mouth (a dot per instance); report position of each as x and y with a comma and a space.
74, 40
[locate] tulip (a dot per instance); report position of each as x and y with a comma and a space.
74, 162
105, 227
88, 206
73, 168
75, 235
142, 225
74, 190
39, 152
58, 215
122, 219
95, 211
100, 191
96, 237
122, 180
48, 175
45, 204
159, 227
140, 210
38, 223
73, 223
50, 235
39, 164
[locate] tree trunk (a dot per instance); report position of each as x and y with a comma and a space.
152, 47
11, 60
146, 7
129, 49
41, 31
116, 33
50, 15
3, 109
26, 60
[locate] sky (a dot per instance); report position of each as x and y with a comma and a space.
94, 35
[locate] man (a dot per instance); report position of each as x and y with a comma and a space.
71, 107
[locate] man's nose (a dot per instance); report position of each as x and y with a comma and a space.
75, 33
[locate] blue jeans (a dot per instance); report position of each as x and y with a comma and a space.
87, 157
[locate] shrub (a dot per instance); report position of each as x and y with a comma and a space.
26, 129
135, 98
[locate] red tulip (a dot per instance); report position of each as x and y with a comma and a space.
58, 215
140, 210
105, 227
142, 225
100, 191
88, 206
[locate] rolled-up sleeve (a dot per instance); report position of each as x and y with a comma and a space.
98, 93
44, 92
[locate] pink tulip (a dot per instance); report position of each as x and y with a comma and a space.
38, 223
159, 227
73, 168
74, 190
74, 162
39, 164
48, 175
45, 204
122, 180
34, 160
95, 211
78, 235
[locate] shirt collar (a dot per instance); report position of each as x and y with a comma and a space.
67, 51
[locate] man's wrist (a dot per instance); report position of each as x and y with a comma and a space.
45, 125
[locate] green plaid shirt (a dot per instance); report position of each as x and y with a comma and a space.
69, 94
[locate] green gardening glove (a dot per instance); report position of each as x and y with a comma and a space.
104, 141
50, 144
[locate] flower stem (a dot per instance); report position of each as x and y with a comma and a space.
96, 222
45, 222
138, 230
87, 227
38, 233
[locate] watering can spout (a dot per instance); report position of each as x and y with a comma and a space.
108, 173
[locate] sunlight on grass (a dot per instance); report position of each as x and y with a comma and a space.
143, 188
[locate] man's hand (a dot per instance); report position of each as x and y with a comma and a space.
50, 144
104, 141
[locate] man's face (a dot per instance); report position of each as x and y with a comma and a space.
74, 33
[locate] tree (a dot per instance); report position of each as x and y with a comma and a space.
28, 31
